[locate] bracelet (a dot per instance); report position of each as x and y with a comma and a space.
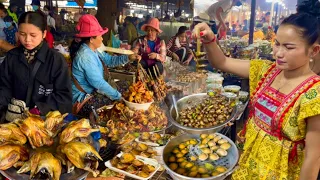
209, 42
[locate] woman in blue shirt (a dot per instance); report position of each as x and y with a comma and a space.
89, 68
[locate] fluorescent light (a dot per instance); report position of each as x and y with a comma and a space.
157, 6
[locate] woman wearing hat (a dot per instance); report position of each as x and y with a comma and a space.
92, 85
151, 47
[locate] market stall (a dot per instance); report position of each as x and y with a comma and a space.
175, 124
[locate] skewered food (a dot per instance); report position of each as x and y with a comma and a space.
83, 156
197, 157
154, 82
138, 93
54, 121
42, 165
11, 133
213, 111
11, 154
34, 128
76, 129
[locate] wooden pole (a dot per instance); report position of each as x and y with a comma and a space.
252, 21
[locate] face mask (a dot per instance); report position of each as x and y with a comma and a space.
8, 24
239, 3
35, 7
46, 12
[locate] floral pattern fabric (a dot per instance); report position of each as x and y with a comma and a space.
276, 128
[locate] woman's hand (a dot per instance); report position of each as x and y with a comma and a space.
134, 57
153, 56
203, 31
311, 162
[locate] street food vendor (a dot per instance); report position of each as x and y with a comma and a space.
219, 11
178, 47
92, 84
151, 47
285, 98
33, 59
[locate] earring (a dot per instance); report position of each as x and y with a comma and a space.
311, 60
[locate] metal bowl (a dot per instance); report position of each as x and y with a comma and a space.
196, 99
230, 161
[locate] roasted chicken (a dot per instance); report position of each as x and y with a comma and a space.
42, 165
10, 154
33, 127
83, 156
63, 159
10, 133
76, 129
54, 121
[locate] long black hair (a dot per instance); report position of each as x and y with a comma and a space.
306, 24
76, 44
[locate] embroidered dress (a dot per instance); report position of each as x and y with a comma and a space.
276, 127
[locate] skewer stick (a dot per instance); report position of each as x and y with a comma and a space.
155, 72
198, 41
157, 68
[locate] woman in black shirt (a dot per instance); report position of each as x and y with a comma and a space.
51, 87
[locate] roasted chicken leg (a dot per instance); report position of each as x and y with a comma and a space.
11, 134
83, 156
11, 154
76, 129
33, 127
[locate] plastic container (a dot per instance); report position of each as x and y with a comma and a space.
215, 88
243, 96
137, 106
231, 97
215, 80
232, 89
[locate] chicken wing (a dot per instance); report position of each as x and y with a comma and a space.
33, 127
83, 156
42, 165
11, 134
11, 154
54, 121
76, 129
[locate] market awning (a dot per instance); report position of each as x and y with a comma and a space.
82, 3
